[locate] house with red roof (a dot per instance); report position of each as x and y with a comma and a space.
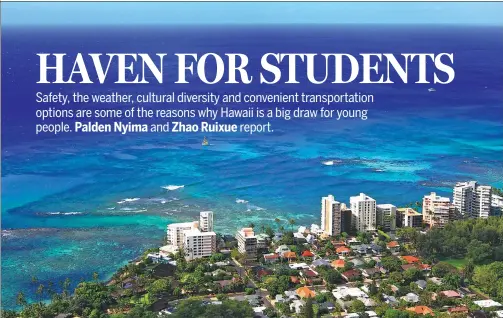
422, 310
305, 292
271, 258
351, 275
342, 250
307, 253
393, 246
458, 310
290, 255
338, 263
411, 259
451, 294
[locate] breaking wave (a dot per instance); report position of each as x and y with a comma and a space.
173, 187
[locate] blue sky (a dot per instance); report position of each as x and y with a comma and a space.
82, 13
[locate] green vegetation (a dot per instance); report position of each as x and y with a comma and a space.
477, 240
195, 308
459, 263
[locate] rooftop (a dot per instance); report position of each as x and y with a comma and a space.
487, 303
421, 310
408, 212
411, 259
385, 206
361, 197
247, 232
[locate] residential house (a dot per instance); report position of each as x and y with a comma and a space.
305, 292
343, 292
487, 303
421, 310
411, 259
343, 251
411, 298
271, 258
296, 305
421, 284
282, 249
338, 263
451, 294
307, 253
371, 272
351, 275
458, 310
320, 262
393, 246
390, 300
290, 256
376, 249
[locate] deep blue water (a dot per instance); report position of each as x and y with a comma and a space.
60, 210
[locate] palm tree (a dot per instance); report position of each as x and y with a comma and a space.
95, 276
262, 228
292, 223
251, 225
66, 285
278, 221
21, 299
40, 292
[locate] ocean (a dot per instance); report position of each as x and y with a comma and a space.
75, 204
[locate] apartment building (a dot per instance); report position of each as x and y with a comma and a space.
437, 210
206, 221
199, 244
346, 218
175, 232
407, 217
330, 216
386, 216
363, 209
247, 242
472, 200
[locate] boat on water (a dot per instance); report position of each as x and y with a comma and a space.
205, 142
431, 89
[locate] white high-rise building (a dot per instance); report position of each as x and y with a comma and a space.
437, 210
386, 216
472, 200
481, 207
330, 215
196, 238
197, 244
175, 232
206, 221
496, 205
363, 209
247, 242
